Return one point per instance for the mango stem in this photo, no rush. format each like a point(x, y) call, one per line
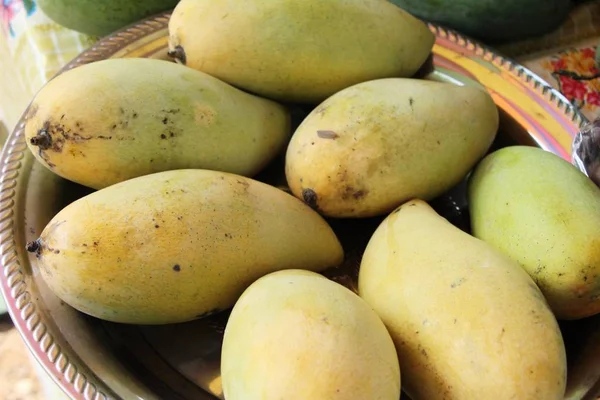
point(43, 140)
point(178, 53)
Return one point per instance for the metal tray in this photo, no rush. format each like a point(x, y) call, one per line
point(92, 359)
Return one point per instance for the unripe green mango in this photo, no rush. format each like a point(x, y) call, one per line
point(545, 214)
point(113, 120)
point(176, 245)
point(101, 17)
point(298, 51)
point(371, 147)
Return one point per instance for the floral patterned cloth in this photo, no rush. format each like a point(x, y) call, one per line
point(577, 74)
point(32, 49)
point(10, 8)
point(568, 58)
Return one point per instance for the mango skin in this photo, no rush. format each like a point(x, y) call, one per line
point(117, 119)
point(543, 213)
point(375, 145)
point(298, 51)
point(177, 245)
point(296, 335)
point(468, 323)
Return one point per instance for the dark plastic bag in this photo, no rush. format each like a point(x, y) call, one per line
point(586, 150)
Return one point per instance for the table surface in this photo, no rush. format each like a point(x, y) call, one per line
point(18, 378)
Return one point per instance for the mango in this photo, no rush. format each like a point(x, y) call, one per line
point(117, 119)
point(298, 51)
point(100, 18)
point(296, 335)
point(544, 213)
point(375, 145)
point(177, 245)
point(468, 323)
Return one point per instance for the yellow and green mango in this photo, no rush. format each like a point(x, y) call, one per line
point(116, 119)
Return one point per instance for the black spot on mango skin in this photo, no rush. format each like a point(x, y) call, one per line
point(34, 247)
point(359, 194)
point(52, 136)
point(176, 268)
point(310, 197)
point(327, 135)
point(457, 283)
point(244, 183)
point(321, 110)
point(350, 191)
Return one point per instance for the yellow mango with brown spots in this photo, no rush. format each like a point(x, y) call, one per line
point(371, 147)
point(177, 245)
point(117, 119)
point(467, 321)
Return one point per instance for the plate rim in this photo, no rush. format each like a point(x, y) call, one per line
point(32, 325)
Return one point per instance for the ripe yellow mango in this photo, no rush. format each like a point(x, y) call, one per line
point(468, 322)
point(117, 119)
point(176, 245)
point(298, 51)
point(296, 335)
point(373, 146)
point(543, 213)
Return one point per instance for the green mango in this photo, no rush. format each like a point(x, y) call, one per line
point(545, 214)
point(492, 20)
point(101, 17)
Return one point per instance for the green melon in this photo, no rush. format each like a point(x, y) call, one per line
point(101, 17)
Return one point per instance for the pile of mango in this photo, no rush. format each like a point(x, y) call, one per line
point(180, 227)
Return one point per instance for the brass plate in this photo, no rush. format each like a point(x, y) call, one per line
point(92, 359)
